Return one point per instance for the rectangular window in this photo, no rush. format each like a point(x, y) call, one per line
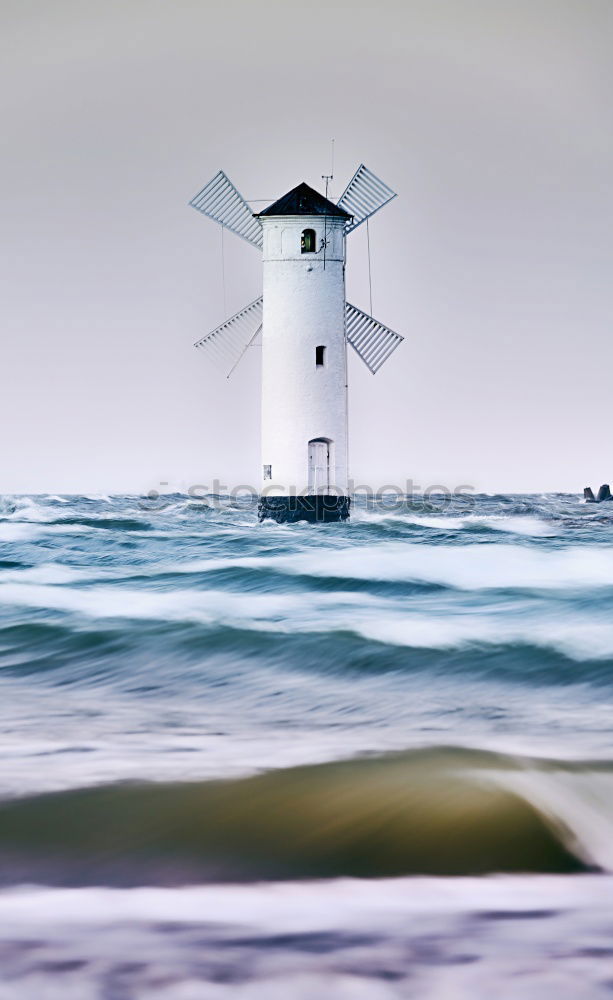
point(320, 355)
point(268, 472)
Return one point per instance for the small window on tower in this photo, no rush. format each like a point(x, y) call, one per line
point(320, 357)
point(307, 241)
point(268, 472)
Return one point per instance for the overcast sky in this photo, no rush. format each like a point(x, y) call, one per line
point(492, 119)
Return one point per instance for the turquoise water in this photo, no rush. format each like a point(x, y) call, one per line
point(357, 731)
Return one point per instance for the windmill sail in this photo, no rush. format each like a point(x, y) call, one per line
point(373, 341)
point(364, 195)
point(226, 344)
point(222, 202)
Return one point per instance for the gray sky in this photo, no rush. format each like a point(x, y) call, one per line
point(493, 122)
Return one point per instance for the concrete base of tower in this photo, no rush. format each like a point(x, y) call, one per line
point(317, 509)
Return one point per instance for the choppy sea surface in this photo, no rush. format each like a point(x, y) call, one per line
point(370, 760)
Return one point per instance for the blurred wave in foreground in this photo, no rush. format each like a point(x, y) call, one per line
point(360, 760)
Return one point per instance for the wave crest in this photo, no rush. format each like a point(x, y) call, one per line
point(441, 811)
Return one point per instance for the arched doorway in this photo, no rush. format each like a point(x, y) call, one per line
point(319, 465)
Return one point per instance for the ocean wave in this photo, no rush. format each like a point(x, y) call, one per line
point(104, 522)
point(374, 618)
point(465, 567)
point(529, 525)
point(35, 530)
point(587, 640)
point(442, 811)
point(192, 659)
point(533, 527)
point(177, 605)
point(43, 511)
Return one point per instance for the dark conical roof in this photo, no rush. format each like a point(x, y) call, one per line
point(303, 200)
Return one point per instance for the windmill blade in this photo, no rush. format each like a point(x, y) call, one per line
point(373, 341)
point(220, 201)
point(226, 344)
point(364, 195)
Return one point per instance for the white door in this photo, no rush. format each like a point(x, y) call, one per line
point(319, 466)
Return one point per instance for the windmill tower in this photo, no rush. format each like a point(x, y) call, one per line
point(305, 324)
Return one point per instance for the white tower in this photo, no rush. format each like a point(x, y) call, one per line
point(305, 324)
point(304, 356)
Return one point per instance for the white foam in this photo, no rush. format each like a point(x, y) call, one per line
point(519, 524)
point(468, 567)
point(279, 611)
point(465, 567)
point(31, 522)
point(27, 509)
point(10, 532)
point(301, 906)
point(422, 928)
point(48, 573)
point(579, 640)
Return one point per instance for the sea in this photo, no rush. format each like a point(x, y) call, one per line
point(357, 761)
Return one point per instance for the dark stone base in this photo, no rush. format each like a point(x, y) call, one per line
point(315, 509)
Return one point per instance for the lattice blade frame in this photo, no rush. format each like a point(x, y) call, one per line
point(371, 340)
point(226, 344)
point(221, 201)
point(364, 195)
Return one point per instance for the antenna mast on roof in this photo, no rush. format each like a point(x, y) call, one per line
point(327, 178)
